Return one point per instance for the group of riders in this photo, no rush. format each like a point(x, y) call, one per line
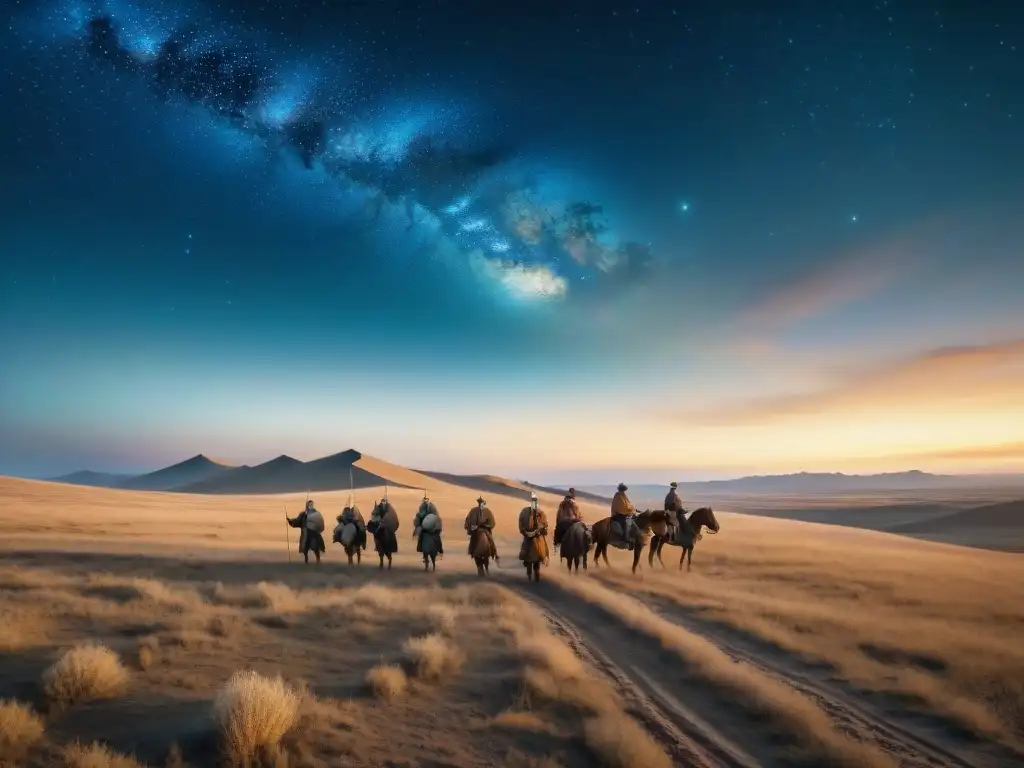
point(351, 530)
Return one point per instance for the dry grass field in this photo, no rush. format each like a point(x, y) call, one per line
point(171, 630)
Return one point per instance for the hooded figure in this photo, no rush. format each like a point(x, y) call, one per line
point(351, 516)
point(427, 523)
point(622, 513)
point(311, 526)
point(480, 517)
point(568, 513)
point(533, 526)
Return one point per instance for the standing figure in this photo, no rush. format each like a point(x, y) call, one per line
point(311, 526)
point(622, 515)
point(533, 525)
point(427, 532)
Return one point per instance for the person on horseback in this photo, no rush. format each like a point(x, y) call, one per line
point(674, 506)
point(427, 523)
point(622, 513)
point(385, 516)
point(568, 513)
point(351, 515)
point(311, 525)
point(481, 518)
point(533, 526)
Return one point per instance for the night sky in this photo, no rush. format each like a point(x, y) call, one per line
point(705, 237)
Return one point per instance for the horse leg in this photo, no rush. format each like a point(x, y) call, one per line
point(433, 562)
point(536, 571)
point(689, 558)
point(479, 567)
point(389, 561)
point(585, 556)
point(653, 551)
point(426, 565)
point(682, 557)
point(661, 546)
point(381, 566)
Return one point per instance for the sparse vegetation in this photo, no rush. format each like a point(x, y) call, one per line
point(96, 756)
point(20, 729)
point(85, 673)
point(254, 712)
point(618, 742)
point(387, 681)
point(937, 629)
point(432, 656)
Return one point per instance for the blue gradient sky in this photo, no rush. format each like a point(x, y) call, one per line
point(832, 199)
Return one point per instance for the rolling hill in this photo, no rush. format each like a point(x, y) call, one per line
point(195, 470)
point(92, 479)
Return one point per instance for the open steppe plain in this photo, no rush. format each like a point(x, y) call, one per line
point(163, 629)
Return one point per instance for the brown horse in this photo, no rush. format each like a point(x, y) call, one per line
point(480, 551)
point(602, 534)
point(699, 518)
point(575, 546)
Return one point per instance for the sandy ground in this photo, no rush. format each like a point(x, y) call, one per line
point(789, 643)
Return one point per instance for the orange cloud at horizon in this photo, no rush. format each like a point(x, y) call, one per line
point(957, 407)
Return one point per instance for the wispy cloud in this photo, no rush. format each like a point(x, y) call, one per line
point(972, 377)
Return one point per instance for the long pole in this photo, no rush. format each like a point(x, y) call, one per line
point(287, 537)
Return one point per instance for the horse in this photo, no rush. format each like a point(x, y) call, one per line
point(354, 547)
point(429, 546)
point(602, 535)
point(480, 551)
point(699, 518)
point(383, 541)
point(575, 546)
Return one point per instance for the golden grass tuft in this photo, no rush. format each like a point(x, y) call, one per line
point(85, 673)
point(96, 756)
point(432, 656)
point(254, 712)
point(20, 729)
point(387, 681)
point(618, 742)
point(518, 720)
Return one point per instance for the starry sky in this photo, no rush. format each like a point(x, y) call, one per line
point(559, 240)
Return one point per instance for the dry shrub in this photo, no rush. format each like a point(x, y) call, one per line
point(20, 729)
point(84, 673)
point(387, 681)
point(442, 618)
point(96, 756)
point(432, 656)
point(160, 592)
point(254, 712)
point(618, 742)
point(518, 720)
point(149, 650)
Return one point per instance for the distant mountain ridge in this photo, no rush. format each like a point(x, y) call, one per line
point(285, 474)
point(820, 482)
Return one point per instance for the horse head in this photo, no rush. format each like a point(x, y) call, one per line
point(643, 519)
point(704, 517)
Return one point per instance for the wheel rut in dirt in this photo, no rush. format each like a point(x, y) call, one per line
point(634, 664)
point(907, 743)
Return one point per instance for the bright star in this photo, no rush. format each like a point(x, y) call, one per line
point(684, 207)
point(853, 218)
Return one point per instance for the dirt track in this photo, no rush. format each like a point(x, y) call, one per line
point(694, 722)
